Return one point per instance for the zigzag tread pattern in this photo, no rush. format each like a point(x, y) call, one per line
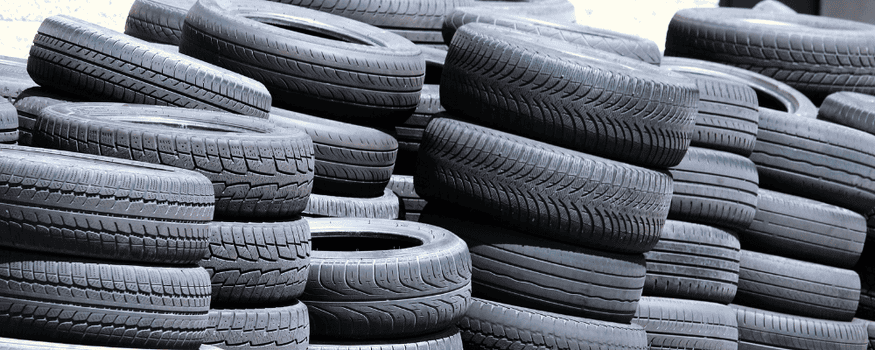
point(386, 206)
point(284, 327)
point(157, 21)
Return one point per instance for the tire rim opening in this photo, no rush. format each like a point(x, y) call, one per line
point(361, 241)
point(768, 100)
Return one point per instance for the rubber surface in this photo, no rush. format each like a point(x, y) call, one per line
point(850, 109)
point(20, 344)
point(100, 207)
point(693, 261)
point(557, 11)
point(865, 268)
point(761, 329)
point(158, 21)
point(714, 188)
point(8, 123)
point(797, 287)
point(257, 263)
point(805, 229)
point(29, 103)
point(386, 206)
point(687, 324)
point(388, 14)
point(493, 325)
point(377, 279)
point(285, 327)
point(411, 203)
point(544, 190)
point(519, 269)
point(13, 77)
point(52, 298)
point(409, 132)
point(773, 6)
point(583, 99)
point(359, 73)
point(728, 116)
point(351, 160)
point(78, 57)
point(448, 339)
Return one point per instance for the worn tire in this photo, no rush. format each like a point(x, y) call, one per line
point(556, 11)
point(542, 189)
point(762, 330)
point(351, 160)
point(363, 75)
point(805, 229)
point(693, 261)
point(29, 103)
point(20, 344)
point(728, 115)
point(411, 203)
point(285, 327)
point(714, 188)
point(75, 56)
point(257, 263)
point(158, 21)
point(409, 133)
point(816, 55)
point(386, 206)
point(372, 279)
point(53, 298)
point(850, 109)
point(448, 339)
point(516, 268)
point(797, 287)
point(257, 168)
point(534, 87)
point(8, 123)
point(492, 325)
point(14, 78)
point(602, 39)
point(687, 324)
point(103, 208)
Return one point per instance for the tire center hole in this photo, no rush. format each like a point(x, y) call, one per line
point(767, 100)
point(361, 241)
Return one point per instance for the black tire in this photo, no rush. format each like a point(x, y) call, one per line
point(257, 168)
point(52, 298)
point(816, 55)
point(411, 203)
point(542, 189)
point(434, 65)
point(728, 116)
point(805, 229)
point(351, 160)
point(556, 11)
point(13, 77)
point(693, 261)
point(870, 329)
point(409, 133)
point(534, 87)
point(816, 159)
point(762, 330)
point(158, 21)
point(361, 74)
point(714, 188)
point(493, 325)
point(386, 206)
point(8, 123)
point(606, 40)
point(378, 279)
point(865, 268)
point(773, 6)
point(519, 269)
point(102, 208)
point(257, 263)
point(850, 109)
point(284, 327)
point(20, 344)
point(77, 57)
point(797, 287)
point(770, 92)
point(29, 103)
point(687, 324)
point(448, 339)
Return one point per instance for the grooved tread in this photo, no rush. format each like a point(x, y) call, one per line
point(15, 79)
point(687, 324)
point(773, 330)
point(851, 109)
point(158, 21)
point(279, 327)
point(728, 116)
point(394, 14)
point(29, 104)
point(386, 206)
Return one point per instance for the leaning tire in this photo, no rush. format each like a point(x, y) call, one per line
point(257, 168)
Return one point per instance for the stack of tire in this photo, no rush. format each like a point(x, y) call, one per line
point(515, 167)
point(809, 227)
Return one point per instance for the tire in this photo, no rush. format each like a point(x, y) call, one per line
point(728, 116)
point(53, 298)
point(20, 344)
point(816, 159)
point(385, 279)
point(807, 230)
point(448, 339)
point(531, 86)
point(13, 77)
point(411, 203)
point(556, 11)
point(77, 57)
point(145, 213)
point(409, 133)
point(351, 160)
point(386, 206)
point(363, 74)
point(797, 287)
point(506, 177)
point(279, 327)
point(516, 268)
point(258, 170)
point(870, 329)
point(865, 268)
point(687, 324)
point(606, 40)
point(8, 123)
point(158, 21)
point(771, 93)
point(493, 325)
point(773, 6)
point(850, 109)
point(761, 329)
point(714, 188)
point(28, 105)
point(693, 261)
point(816, 55)
point(257, 263)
